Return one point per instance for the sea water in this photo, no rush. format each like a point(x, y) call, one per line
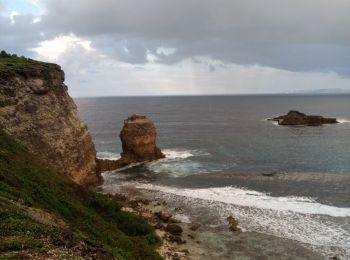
point(219, 150)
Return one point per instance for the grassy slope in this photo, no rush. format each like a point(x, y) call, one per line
point(8, 62)
point(92, 217)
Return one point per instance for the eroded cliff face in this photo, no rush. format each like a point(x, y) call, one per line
point(35, 109)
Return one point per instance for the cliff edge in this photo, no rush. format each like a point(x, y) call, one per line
point(36, 110)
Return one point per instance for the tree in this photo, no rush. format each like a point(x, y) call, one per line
point(4, 54)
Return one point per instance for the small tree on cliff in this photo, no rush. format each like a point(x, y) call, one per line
point(4, 54)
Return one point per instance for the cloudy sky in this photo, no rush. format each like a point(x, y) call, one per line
point(179, 47)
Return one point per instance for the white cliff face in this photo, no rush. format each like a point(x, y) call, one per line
point(35, 109)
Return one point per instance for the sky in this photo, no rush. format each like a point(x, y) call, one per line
point(184, 47)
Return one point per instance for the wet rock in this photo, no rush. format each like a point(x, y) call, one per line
point(105, 165)
point(233, 224)
point(194, 226)
point(143, 201)
point(297, 118)
point(269, 174)
point(191, 236)
point(120, 197)
point(174, 220)
point(175, 239)
point(185, 251)
point(133, 204)
point(164, 216)
point(159, 225)
point(178, 209)
point(174, 229)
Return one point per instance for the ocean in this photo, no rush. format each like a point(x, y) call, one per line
point(219, 150)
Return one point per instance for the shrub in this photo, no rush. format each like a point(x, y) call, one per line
point(92, 217)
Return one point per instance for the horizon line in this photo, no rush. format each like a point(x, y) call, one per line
point(216, 95)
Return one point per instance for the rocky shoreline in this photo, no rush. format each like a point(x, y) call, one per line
point(173, 232)
point(186, 238)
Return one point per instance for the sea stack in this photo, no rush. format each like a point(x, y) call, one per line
point(297, 118)
point(138, 137)
point(36, 110)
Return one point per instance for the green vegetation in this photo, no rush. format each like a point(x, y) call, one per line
point(91, 217)
point(12, 61)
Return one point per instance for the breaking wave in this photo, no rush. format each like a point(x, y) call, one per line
point(180, 163)
point(343, 120)
point(321, 227)
point(108, 155)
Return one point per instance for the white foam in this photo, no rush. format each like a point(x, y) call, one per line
point(343, 120)
point(108, 155)
point(177, 154)
point(182, 154)
point(179, 162)
point(177, 169)
point(320, 227)
point(182, 218)
point(250, 198)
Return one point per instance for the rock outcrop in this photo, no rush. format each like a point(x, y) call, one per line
point(36, 110)
point(233, 224)
point(297, 118)
point(138, 138)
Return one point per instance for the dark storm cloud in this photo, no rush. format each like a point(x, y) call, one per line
point(298, 35)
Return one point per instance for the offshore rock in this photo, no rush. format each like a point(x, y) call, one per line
point(297, 118)
point(36, 110)
point(138, 137)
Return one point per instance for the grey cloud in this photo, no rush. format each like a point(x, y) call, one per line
point(293, 35)
point(21, 35)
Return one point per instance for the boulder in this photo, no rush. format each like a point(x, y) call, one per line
point(176, 239)
point(174, 229)
point(164, 216)
point(297, 118)
point(233, 224)
point(194, 226)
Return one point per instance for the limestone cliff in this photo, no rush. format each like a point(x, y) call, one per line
point(35, 109)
